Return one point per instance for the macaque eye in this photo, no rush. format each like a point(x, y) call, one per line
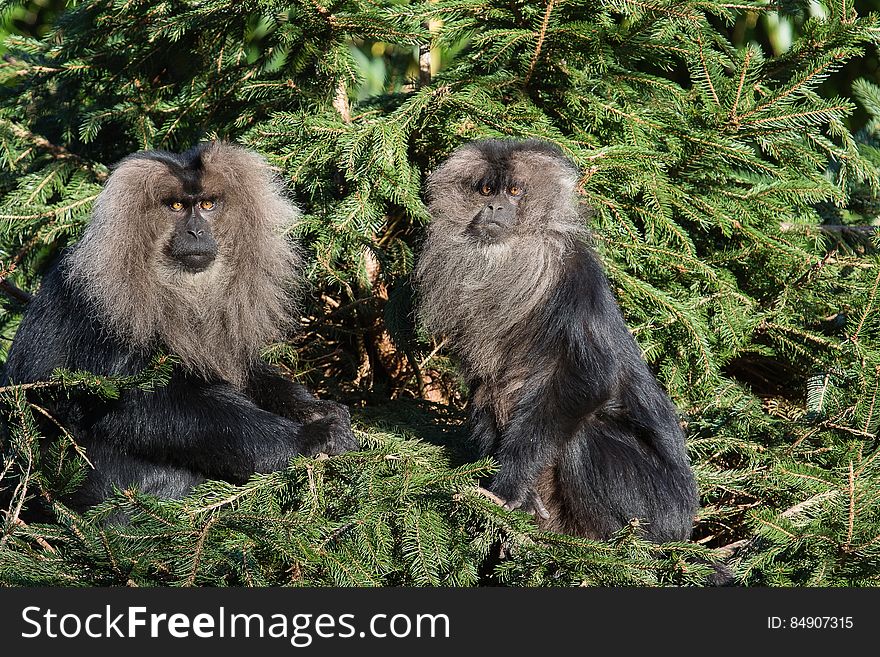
point(176, 206)
point(486, 189)
point(514, 190)
point(207, 204)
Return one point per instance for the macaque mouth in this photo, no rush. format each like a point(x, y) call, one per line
point(195, 262)
point(490, 230)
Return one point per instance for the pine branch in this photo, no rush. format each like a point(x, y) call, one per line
point(541, 36)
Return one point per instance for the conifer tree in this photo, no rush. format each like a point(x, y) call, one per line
point(732, 205)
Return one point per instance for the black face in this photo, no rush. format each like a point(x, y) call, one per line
point(190, 206)
point(498, 215)
point(502, 192)
point(192, 243)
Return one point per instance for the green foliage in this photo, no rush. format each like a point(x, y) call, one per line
point(393, 515)
point(732, 205)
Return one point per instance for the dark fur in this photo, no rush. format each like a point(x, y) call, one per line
point(560, 394)
point(219, 417)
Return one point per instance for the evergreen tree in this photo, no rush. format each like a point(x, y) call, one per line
point(730, 200)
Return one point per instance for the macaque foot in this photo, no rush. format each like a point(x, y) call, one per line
point(331, 434)
point(530, 503)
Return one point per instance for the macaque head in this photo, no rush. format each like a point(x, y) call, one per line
point(495, 190)
point(190, 251)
